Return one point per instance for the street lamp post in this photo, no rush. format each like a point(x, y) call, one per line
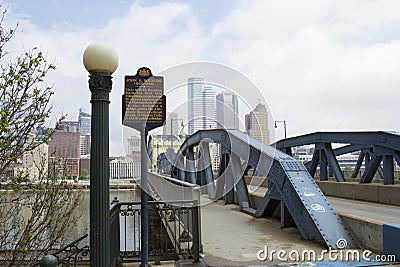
point(284, 126)
point(100, 61)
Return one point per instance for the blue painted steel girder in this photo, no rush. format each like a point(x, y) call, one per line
point(288, 178)
point(375, 145)
point(387, 139)
point(206, 166)
point(190, 166)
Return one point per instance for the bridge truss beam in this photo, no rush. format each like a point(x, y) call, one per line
point(376, 149)
point(290, 186)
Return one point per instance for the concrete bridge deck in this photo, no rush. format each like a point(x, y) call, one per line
point(233, 238)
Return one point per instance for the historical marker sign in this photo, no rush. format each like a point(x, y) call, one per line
point(144, 108)
point(144, 100)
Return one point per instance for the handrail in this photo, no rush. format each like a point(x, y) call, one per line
point(72, 250)
point(70, 244)
point(169, 189)
point(179, 182)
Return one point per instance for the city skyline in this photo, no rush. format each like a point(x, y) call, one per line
point(257, 124)
point(321, 65)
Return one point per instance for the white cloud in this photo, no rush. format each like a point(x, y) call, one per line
point(322, 65)
point(158, 37)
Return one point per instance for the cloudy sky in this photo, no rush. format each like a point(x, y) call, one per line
point(320, 65)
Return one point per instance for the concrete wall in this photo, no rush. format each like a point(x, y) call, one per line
point(374, 192)
point(379, 193)
point(368, 234)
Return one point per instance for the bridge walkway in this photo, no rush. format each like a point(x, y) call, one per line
point(233, 238)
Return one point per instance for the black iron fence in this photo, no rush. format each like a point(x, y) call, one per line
point(174, 231)
point(69, 255)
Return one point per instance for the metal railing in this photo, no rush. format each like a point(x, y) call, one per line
point(115, 238)
point(169, 189)
point(174, 231)
point(174, 226)
point(69, 255)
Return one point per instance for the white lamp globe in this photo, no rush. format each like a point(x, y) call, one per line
point(100, 57)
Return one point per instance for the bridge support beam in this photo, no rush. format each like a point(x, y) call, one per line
point(220, 182)
point(333, 164)
point(313, 164)
point(388, 170)
point(229, 184)
point(367, 159)
point(201, 177)
point(323, 166)
point(396, 156)
point(269, 203)
point(190, 166)
point(181, 169)
point(207, 167)
point(286, 218)
point(239, 182)
point(371, 169)
point(358, 165)
point(380, 171)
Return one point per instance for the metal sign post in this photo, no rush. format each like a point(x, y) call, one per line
point(144, 109)
point(144, 198)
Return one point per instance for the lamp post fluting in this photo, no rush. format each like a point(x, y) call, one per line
point(100, 61)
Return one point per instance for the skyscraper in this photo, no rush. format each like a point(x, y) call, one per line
point(257, 124)
point(195, 104)
point(201, 105)
point(84, 121)
point(227, 111)
point(209, 121)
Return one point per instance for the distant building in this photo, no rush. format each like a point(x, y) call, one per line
point(34, 163)
point(65, 144)
point(162, 144)
point(134, 148)
point(68, 126)
point(84, 122)
point(305, 154)
point(209, 108)
point(201, 105)
point(227, 111)
point(124, 169)
point(85, 144)
point(257, 125)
